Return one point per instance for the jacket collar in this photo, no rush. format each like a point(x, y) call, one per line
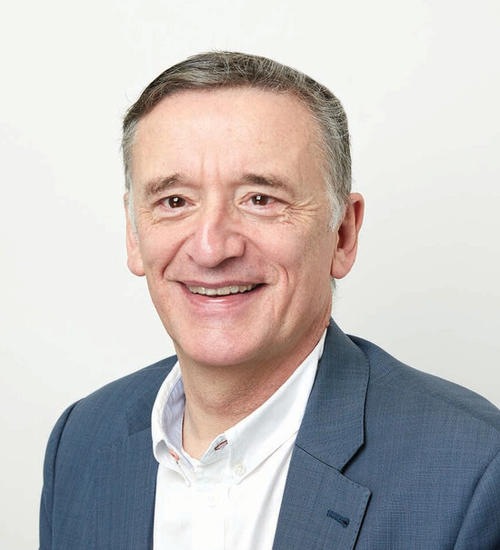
point(125, 478)
point(139, 412)
point(332, 429)
point(322, 508)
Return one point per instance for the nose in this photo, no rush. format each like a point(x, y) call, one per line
point(216, 237)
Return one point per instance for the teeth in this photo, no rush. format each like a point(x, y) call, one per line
point(222, 291)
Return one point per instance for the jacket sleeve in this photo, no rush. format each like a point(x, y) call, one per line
point(480, 529)
point(49, 474)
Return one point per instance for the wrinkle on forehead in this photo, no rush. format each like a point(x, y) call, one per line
point(237, 128)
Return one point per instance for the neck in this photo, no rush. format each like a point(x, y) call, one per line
point(218, 397)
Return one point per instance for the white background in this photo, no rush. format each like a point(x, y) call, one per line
point(420, 83)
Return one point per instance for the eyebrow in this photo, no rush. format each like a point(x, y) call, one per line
point(267, 180)
point(157, 185)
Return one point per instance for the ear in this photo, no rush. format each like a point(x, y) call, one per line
point(347, 237)
point(134, 258)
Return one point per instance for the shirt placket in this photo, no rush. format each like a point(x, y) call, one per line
point(210, 499)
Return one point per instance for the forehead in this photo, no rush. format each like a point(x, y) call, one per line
point(230, 128)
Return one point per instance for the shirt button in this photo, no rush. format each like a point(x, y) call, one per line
point(239, 469)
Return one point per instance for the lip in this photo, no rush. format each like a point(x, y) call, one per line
point(212, 305)
point(219, 284)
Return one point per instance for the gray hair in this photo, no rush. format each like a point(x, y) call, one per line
point(212, 70)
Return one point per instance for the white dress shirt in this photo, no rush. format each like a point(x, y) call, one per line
point(230, 498)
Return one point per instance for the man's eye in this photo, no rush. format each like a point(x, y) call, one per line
point(261, 200)
point(175, 202)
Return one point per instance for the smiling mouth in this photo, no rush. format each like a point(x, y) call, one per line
point(221, 291)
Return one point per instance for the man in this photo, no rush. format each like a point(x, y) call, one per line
point(271, 428)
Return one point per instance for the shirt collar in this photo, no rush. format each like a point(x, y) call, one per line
point(249, 442)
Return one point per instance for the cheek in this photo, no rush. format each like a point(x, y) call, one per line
point(302, 255)
point(157, 250)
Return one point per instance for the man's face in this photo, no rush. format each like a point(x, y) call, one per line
point(232, 223)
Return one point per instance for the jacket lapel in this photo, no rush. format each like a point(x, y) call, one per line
point(126, 485)
point(321, 508)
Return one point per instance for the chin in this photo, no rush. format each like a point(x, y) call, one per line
point(214, 341)
point(220, 353)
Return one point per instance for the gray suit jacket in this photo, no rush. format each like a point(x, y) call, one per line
point(386, 458)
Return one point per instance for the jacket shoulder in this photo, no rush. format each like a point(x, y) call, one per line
point(128, 388)
point(431, 451)
point(118, 408)
point(96, 422)
point(408, 386)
